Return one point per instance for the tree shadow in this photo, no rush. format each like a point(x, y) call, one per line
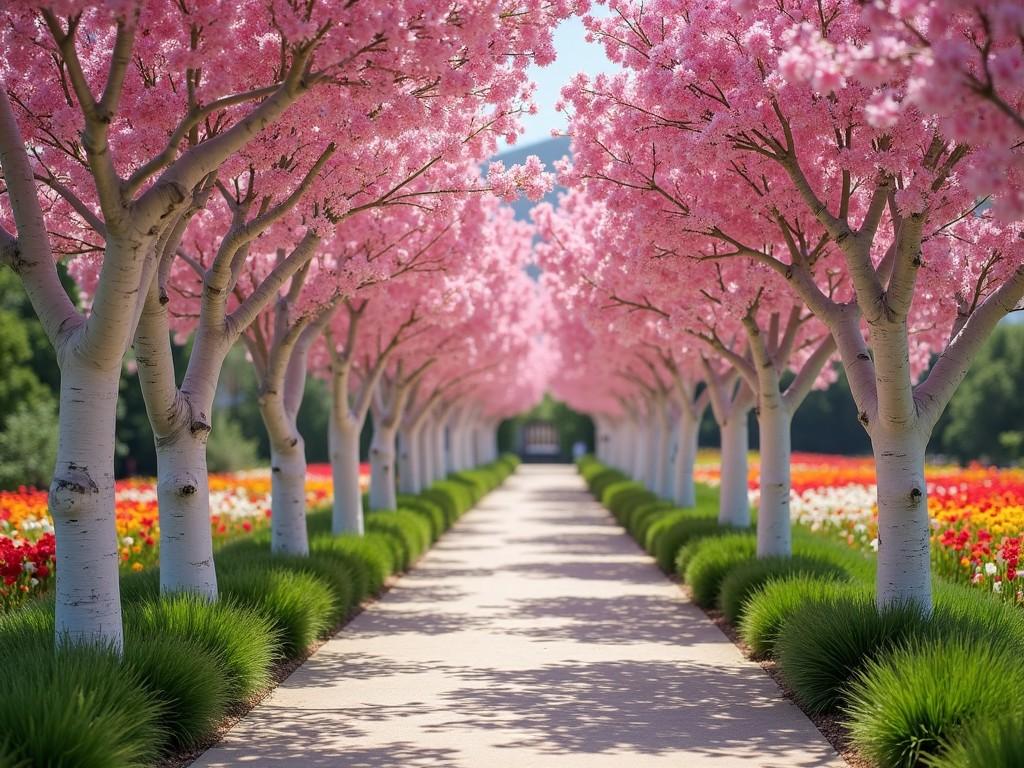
point(637, 707)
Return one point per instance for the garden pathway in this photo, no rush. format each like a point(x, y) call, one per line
point(534, 635)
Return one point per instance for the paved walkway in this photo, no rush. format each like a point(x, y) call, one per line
point(534, 635)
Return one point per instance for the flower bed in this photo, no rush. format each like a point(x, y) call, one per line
point(239, 505)
point(977, 512)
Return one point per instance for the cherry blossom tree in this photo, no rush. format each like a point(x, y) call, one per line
point(111, 118)
point(121, 174)
point(723, 149)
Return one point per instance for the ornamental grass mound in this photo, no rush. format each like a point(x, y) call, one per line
point(243, 640)
point(770, 606)
point(907, 702)
point(79, 708)
point(987, 743)
point(712, 559)
point(824, 643)
point(190, 684)
point(299, 606)
point(746, 577)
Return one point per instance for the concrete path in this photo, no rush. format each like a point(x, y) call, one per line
point(534, 635)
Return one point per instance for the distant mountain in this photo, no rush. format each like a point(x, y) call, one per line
point(548, 151)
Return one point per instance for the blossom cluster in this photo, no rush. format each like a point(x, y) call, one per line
point(239, 505)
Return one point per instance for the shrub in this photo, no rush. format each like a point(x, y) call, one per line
point(643, 516)
point(905, 702)
point(770, 606)
point(461, 495)
point(335, 573)
point(189, 682)
point(408, 533)
point(988, 743)
point(603, 479)
point(747, 577)
point(370, 555)
point(80, 708)
point(825, 642)
point(298, 605)
point(28, 444)
point(446, 500)
point(244, 641)
point(672, 532)
point(426, 509)
point(712, 560)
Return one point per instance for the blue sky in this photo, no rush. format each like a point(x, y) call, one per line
point(575, 54)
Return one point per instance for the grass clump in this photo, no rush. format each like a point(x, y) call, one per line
point(744, 579)
point(370, 555)
point(987, 743)
point(242, 640)
point(904, 703)
point(644, 516)
point(299, 605)
point(426, 509)
point(669, 534)
point(824, 643)
point(79, 708)
point(408, 534)
point(189, 682)
point(712, 559)
point(770, 605)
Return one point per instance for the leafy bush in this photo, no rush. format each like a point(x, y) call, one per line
point(228, 449)
point(770, 606)
point(747, 577)
point(244, 641)
point(905, 702)
point(28, 444)
point(299, 606)
point(80, 708)
point(825, 642)
point(712, 560)
point(189, 682)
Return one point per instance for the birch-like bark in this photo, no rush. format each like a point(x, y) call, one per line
point(389, 403)
point(685, 459)
point(731, 401)
point(343, 445)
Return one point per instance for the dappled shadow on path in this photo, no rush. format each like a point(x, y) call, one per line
point(617, 620)
point(637, 707)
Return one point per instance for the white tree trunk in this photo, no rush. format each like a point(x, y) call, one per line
point(382, 467)
point(734, 502)
point(652, 466)
point(638, 454)
point(428, 452)
point(904, 534)
point(409, 459)
point(441, 454)
point(773, 523)
point(88, 603)
point(687, 431)
point(289, 535)
point(183, 492)
point(663, 468)
point(347, 509)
